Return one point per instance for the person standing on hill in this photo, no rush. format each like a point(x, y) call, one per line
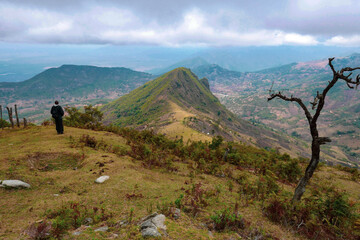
point(57, 113)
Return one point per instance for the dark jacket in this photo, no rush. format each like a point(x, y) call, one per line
point(57, 111)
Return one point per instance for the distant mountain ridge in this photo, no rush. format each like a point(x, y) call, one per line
point(70, 81)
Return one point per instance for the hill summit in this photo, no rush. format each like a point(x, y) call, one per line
point(178, 103)
point(145, 104)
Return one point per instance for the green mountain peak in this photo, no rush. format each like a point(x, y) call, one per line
point(152, 100)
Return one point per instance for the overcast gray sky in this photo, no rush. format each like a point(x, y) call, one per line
point(182, 23)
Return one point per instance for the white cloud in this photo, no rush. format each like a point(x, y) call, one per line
point(349, 41)
point(116, 25)
point(294, 38)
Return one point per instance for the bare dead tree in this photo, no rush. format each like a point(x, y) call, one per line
point(10, 116)
point(17, 116)
point(317, 105)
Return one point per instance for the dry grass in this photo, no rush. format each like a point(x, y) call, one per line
point(176, 128)
point(55, 188)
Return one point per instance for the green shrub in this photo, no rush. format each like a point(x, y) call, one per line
point(289, 170)
point(120, 150)
point(226, 219)
point(216, 142)
point(4, 123)
point(195, 199)
point(327, 215)
point(336, 210)
point(88, 141)
point(90, 118)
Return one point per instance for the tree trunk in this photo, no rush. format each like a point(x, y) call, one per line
point(315, 157)
point(17, 116)
point(10, 116)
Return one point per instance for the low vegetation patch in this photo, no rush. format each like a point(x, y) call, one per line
point(54, 161)
point(326, 214)
point(71, 216)
point(4, 123)
point(354, 172)
point(227, 219)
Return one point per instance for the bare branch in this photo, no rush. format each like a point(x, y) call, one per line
point(314, 103)
point(336, 77)
point(323, 140)
point(331, 66)
point(351, 87)
point(322, 96)
point(348, 69)
point(349, 81)
point(292, 99)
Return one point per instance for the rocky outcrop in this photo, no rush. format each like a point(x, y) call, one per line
point(152, 225)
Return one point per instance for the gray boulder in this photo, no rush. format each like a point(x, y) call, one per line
point(14, 184)
point(151, 225)
point(147, 224)
point(159, 221)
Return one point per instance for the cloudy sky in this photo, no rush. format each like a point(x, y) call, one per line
point(182, 23)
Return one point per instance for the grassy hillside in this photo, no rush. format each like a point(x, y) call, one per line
point(62, 168)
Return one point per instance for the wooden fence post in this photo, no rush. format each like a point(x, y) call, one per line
point(2, 124)
point(25, 123)
point(10, 116)
point(17, 116)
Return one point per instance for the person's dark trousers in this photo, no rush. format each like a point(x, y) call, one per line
point(59, 125)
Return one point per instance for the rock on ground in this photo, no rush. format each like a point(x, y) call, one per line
point(14, 184)
point(151, 224)
point(158, 221)
point(150, 232)
point(102, 179)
